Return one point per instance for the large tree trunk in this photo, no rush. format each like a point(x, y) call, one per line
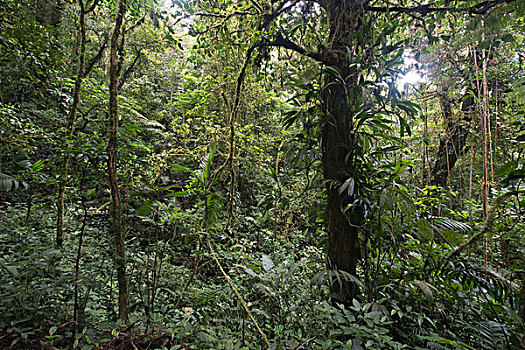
point(338, 144)
point(452, 145)
point(117, 225)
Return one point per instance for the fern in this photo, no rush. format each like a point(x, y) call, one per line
point(449, 224)
point(9, 183)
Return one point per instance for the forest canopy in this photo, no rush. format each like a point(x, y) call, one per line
point(262, 174)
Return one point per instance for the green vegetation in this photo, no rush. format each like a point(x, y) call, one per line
point(227, 174)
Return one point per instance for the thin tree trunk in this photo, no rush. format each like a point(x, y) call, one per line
point(521, 310)
point(117, 226)
point(78, 310)
point(72, 118)
point(448, 176)
point(470, 182)
point(496, 115)
point(482, 99)
point(488, 119)
point(424, 153)
point(483, 135)
point(427, 155)
point(486, 141)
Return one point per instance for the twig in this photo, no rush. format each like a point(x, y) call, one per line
point(239, 297)
point(306, 342)
point(197, 268)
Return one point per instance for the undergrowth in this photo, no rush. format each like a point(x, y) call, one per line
point(180, 299)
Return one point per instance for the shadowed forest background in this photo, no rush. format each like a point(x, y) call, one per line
point(262, 174)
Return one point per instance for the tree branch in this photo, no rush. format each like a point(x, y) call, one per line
point(256, 5)
point(483, 7)
point(92, 7)
point(128, 71)
point(279, 41)
point(268, 18)
point(97, 57)
point(136, 24)
point(422, 10)
point(478, 9)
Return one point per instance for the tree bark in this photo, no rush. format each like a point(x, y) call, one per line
point(117, 226)
point(452, 145)
point(521, 310)
point(338, 145)
point(72, 118)
point(49, 12)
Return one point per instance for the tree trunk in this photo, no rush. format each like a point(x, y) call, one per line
point(452, 145)
point(522, 301)
point(117, 226)
point(49, 12)
point(72, 118)
point(337, 141)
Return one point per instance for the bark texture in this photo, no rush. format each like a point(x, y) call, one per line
point(522, 301)
point(338, 143)
point(117, 225)
point(72, 118)
point(452, 145)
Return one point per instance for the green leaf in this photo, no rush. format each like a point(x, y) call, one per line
point(409, 107)
point(349, 185)
point(425, 287)
point(267, 263)
point(209, 158)
point(178, 167)
point(39, 165)
point(506, 168)
point(387, 149)
point(177, 194)
point(11, 269)
point(485, 44)
point(424, 229)
point(145, 210)
point(404, 127)
point(508, 38)
point(402, 165)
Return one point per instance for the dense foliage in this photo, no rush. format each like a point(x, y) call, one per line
point(262, 174)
